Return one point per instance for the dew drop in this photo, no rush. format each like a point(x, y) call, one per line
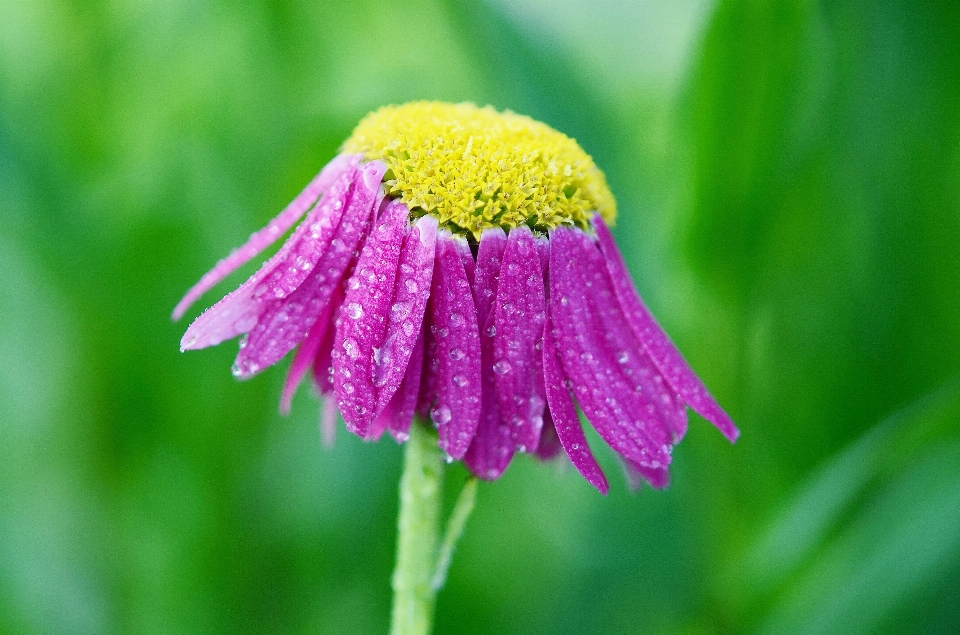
point(354, 310)
point(623, 357)
point(460, 380)
point(347, 388)
point(401, 310)
point(456, 354)
point(491, 331)
point(350, 348)
point(411, 286)
point(440, 415)
point(502, 367)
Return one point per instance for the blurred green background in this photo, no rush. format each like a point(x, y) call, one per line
point(788, 175)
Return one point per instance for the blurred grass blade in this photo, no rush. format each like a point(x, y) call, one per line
point(870, 528)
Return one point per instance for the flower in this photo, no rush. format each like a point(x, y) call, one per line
point(456, 262)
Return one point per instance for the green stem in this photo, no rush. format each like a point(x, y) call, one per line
point(420, 489)
point(455, 524)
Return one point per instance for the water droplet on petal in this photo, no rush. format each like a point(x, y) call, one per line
point(354, 310)
point(460, 380)
point(350, 348)
point(623, 357)
point(502, 367)
point(411, 286)
point(456, 354)
point(347, 388)
point(440, 415)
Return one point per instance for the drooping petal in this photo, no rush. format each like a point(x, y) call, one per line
point(397, 415)
point(456, 410)
point(666, 416)
point(285, 322)
point(543, 250)
point(238, 312)
point(409, 302)
point(363, 319)
point(492, 447)
point(304, 357)
point(658, 477)
point(269, 234)
point(610, 402)
point(564, 416)
point(657, 343)
point(466, 256)
point(493, 242)
point(428, 379)
point(549, 445)
point(520, 313)
point(322, 369)
point(328, 420)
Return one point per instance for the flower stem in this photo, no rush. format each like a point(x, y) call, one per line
point(420, 490)
point(455, 524)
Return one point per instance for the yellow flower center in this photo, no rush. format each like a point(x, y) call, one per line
point(475, 168)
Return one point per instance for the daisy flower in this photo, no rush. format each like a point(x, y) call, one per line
point(456, 263)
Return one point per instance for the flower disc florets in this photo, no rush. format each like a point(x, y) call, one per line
point(476, 168)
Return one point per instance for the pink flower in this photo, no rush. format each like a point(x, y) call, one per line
point(403, 299)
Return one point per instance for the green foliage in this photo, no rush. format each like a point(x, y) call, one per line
point(788, 179)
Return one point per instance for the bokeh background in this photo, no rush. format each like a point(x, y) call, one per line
point(788, 175)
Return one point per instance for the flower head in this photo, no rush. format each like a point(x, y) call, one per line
point(456, 262)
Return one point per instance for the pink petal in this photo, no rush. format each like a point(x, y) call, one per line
point(666, 420)
point(658, 477)
point(266, 236)
point(457, 338)
point(397, 415)
point(409, 302)
point(302, 360)
point(285, 322)
point(238, 312)
point(328, 420)
point(323, 362)
point(564, 417)
point(431, 364)
point(467, 257)
point(609, 401)
point(363, 320)
point(519, 317)
point(549, 445)
point(492, 447)
point(657, 343)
